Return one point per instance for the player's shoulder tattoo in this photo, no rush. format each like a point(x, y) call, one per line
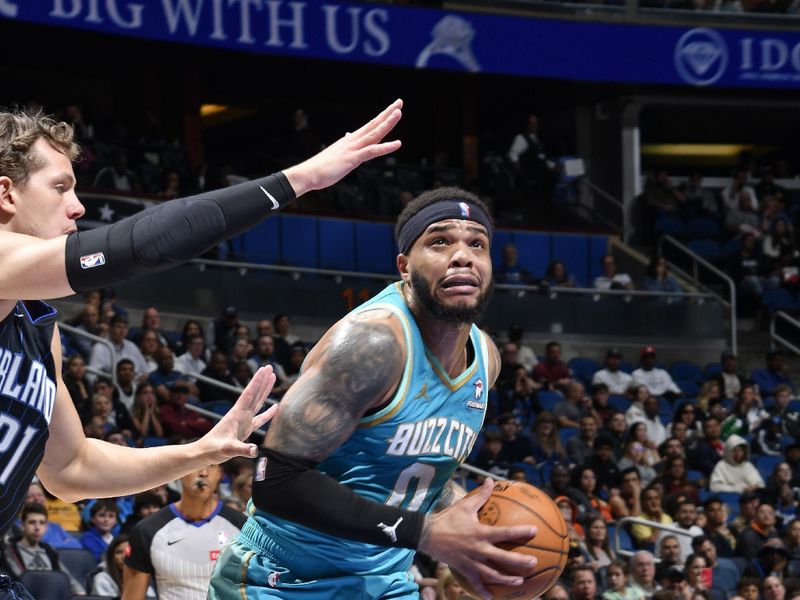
point(358, 365)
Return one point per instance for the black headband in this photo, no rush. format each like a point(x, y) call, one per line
point(440, 211)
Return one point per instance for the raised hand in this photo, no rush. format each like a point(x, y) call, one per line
point(456, 537)
point(340, 158)
point(226, 439)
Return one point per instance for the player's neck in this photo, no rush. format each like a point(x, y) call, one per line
point(196, 509)
point(447, 342)
point(6, 306)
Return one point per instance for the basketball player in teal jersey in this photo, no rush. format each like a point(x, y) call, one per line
point(355, 471)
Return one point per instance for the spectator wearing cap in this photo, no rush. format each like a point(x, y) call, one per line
point(618, 382)
point(729, 378)
point(735, 473)
point(101, 358)
point(525, 355)
point(179, 421)
point(774, 374)
point(716, 527)
point(658, 381)
point(224, 329)
point(761, 530)
point(771, 560)
point(165, 376)
point(707, 451)
point(724, 574)
point(552, 372)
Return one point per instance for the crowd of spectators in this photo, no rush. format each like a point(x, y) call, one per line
point(712, 453)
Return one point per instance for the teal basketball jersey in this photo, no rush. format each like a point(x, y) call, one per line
point(401, 455)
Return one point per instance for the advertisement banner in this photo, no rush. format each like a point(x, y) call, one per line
point(558, 48)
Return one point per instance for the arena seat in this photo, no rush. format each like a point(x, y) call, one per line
point(622, 403)
point(375, 248)
point(778, 299)
point(731, 247)
point(46, 585)
point(625, 541)
point(151, 442)
point(79, 562)
point(336, 237)
point(548, 400)
point(702, 227)
point(626, 367)
point(671, 225)
point(766, 464)
point(220, 407)
point(689, 388)
point(567, 433)
point(708, 249)
point(711, 370)
point(530, 473)
point(583, 368)
point(683, 369)
point(298, 241)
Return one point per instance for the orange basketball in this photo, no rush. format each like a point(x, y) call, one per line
point(517, 503)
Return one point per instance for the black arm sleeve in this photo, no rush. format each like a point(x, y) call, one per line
point(171, 233)
point(294, 489)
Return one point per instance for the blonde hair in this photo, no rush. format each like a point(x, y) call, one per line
point(19, 131)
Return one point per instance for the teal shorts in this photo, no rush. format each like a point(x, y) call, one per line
point(253, 567)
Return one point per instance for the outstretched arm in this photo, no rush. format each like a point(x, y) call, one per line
point(178, 230)
point(75, 467)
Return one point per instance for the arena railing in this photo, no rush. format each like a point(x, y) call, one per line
point(780, 337)
point(97, 340)
point(623, 522)
point(693, 274)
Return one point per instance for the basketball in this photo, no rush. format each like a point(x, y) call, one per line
point(517, 503)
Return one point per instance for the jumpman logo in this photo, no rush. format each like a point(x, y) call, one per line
point(423, 392)
point(390, 531)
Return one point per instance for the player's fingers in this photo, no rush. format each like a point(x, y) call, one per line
point(380, 130)
point(240, 449)
point(396, 105)
point(508, 561)
point(521, 533)
point(481, 495)
point(265, 417)
point(376, 150)
point(259, 388)
point(491, 575)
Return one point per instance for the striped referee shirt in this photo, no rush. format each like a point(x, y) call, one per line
point(180, 553)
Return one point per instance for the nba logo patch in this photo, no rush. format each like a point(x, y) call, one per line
point(213, 555)
point(261, 469)
point(464, 209)
point(478, 389)
point(93, 260)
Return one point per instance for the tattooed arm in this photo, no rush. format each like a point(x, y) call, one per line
point(451, 492)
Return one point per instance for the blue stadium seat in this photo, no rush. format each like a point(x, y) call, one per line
point(683, 369)
point(530, 472)
point(375, 248)
point(708, 249)
point(766, 464)
point(470, 484)
point(46, 585)
point(626, 367)
point(544, 472)
point(337, 237)
point(548, 400)
point(665, 407)
point(689, 388)
point(151, 442)
point(79, 562)
point(583, 368)
point(703, 227)
point(220, 407)
point(299, 241)
point(778, 299)
point(693, 475)
point(732, 247)
point(625, 541)
point(794, 405)
point(567, 433)
point(671, 225)
point(711, 370)
point(622, 403)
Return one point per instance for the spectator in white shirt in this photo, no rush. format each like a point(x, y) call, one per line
point(615, 380)
point(658, 381)
point(525, 356)
point(191, 361)
point(611, 279)
point(101, 355)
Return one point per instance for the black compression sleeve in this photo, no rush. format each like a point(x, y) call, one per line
point(170, 233)
point(293, 489)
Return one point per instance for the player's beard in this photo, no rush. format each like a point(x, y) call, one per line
point(454, 315)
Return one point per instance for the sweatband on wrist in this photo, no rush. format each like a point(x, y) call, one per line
point(440, 211)
point(293, 489)
point(171, 233)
